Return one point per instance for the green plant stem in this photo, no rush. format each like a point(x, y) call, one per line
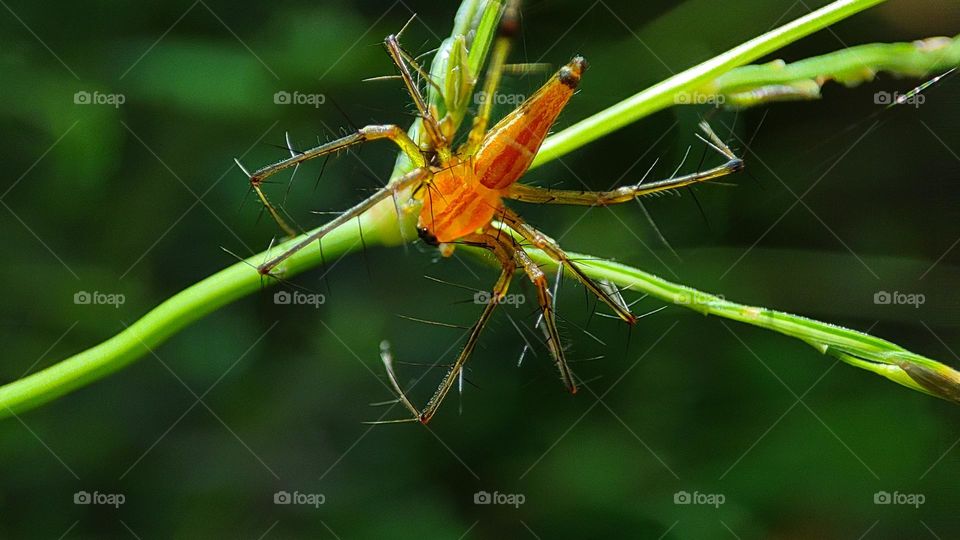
point(747, 86)
point(166, 319)
point(856, 348)
point(380, 227)
point(663, 94)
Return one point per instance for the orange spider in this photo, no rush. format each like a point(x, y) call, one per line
point(462, 193)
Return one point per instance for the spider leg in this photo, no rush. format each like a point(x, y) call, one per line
point(545, 299)
point(553, 250)
point(509, 25)
point(504, 254)
point(368, 133)
point(408, 180)
point(539, 195)
point(401, 58)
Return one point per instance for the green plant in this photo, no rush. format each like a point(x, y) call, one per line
point(722, 75)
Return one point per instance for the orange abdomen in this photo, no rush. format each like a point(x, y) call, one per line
point(510, 146)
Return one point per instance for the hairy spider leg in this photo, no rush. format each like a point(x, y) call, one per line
point(372, 132)
point(504, 254)
point(552, 249)
point(510, 255)
point(431, 124)
point(539, 195)
point(368, 133)
point(412, 179)
point(545, 299)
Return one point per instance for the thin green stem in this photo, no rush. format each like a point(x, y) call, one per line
point(663, 94)
point(748, 86)
point(856, 348)
point(168, 318)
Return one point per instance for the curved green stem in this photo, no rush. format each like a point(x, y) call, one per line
point(168, 318)
point(380, 227)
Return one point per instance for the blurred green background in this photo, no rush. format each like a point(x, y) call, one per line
point(103, 198)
